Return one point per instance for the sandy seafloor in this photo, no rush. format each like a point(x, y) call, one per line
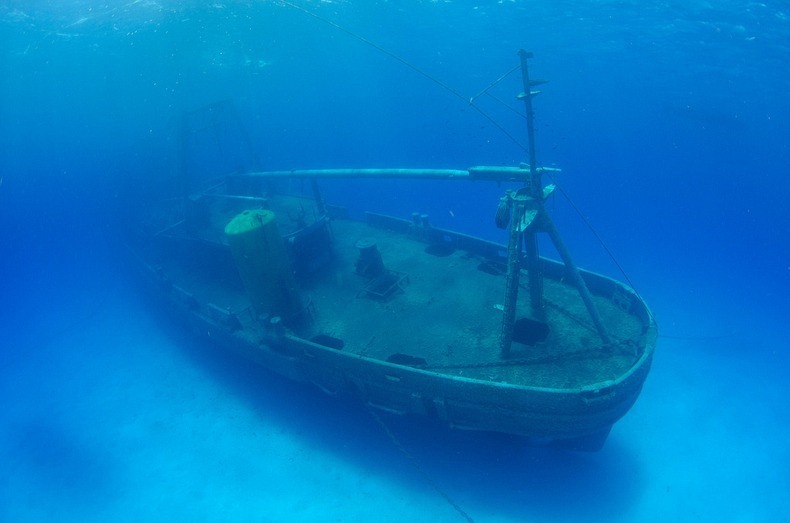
point(113, 414)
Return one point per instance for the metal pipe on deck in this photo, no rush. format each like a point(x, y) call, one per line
point(427, 174)
point(482, 172)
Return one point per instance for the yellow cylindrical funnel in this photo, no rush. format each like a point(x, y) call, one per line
point(263, 264)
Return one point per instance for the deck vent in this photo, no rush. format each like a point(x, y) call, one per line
point(529, 331)
point(369, 263)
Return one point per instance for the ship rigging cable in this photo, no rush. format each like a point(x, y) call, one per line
point(470, 101)
point(395, 441)
point(413, 67)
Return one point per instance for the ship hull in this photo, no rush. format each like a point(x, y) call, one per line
point(577, 417)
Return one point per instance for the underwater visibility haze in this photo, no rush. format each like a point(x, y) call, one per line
point(669, 120)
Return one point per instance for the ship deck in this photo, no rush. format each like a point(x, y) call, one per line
point(444, 315)
point(450, 315)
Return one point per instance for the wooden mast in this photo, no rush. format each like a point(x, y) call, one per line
point(529, 218)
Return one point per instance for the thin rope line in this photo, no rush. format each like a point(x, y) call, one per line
point(600, 240)
point(375, 46)
point(469, 101)
point(395, 441)
point(411, 66)
point(492, 84)
point(507, 106)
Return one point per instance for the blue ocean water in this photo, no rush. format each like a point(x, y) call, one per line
point(670, 120)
